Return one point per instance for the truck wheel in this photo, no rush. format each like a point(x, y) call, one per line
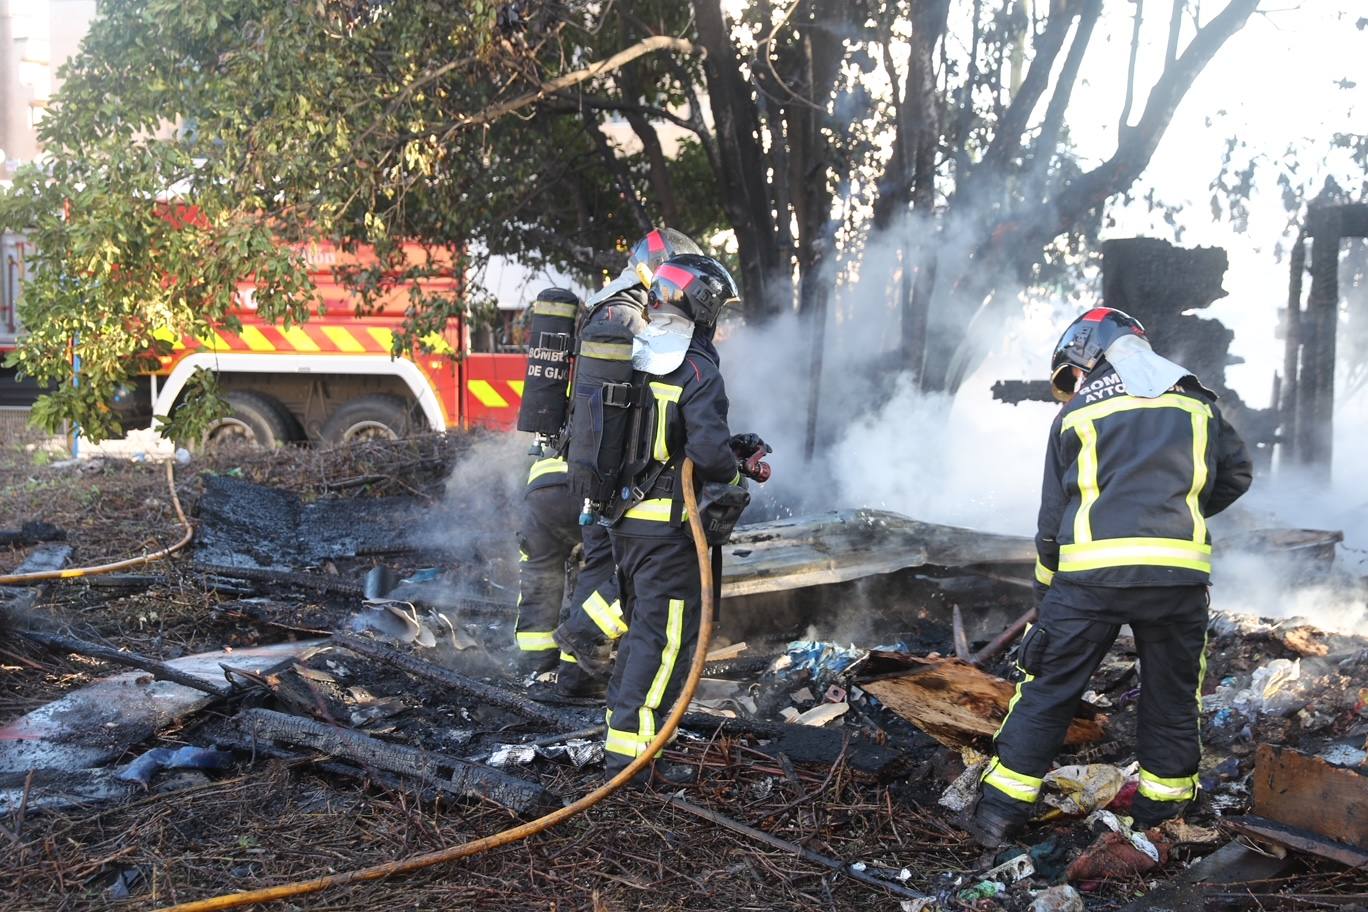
point(375, 417)
point(255, 420)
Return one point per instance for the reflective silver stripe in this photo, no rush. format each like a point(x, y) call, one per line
point(555, 308)
point(1132, 552)
point(606, 351)
point(657, 510)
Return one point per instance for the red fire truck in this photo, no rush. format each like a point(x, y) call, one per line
point(331, 379)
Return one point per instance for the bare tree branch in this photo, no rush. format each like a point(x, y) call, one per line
point(1124, 121)
point(561, 83)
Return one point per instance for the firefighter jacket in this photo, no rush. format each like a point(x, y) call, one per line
point(688, 417)
point(1130, 482)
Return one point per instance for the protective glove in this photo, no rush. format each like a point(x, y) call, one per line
point(747, 445)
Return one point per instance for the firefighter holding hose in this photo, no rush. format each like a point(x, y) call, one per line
point(643, 404)
point(1139, 458)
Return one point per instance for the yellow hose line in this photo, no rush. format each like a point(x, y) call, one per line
point(533, 827)
point(23, 579)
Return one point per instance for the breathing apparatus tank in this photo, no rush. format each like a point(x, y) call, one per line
point(546, 385)
point(605, 393)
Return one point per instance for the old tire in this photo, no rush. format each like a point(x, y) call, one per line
point(254, 420)
point(375, 417)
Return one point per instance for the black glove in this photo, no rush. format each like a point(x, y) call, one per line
point(747, 445)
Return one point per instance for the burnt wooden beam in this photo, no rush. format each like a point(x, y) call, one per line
point(159, 670)
point(470, 687)
point(449, 774)
point(1298, 839)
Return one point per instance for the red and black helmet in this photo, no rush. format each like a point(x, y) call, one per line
point(655, 248)
point(693, 285)
point(1085, 342)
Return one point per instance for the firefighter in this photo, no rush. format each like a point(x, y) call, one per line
point(1139, 458)
point(595, 619)
point(652, 544)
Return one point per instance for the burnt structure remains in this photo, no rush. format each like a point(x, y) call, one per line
point(1161, 285)
point(1306, 397)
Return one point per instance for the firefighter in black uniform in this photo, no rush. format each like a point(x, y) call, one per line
point(1139, 457)
point(595, 619)
point(548, 528)
point(652, 543)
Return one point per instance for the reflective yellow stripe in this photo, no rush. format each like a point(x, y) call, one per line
point(516, 386)
point(1199, 477)
point(299, 339)
point(674, 633)
point(522, 555)
point(487, 395)
point(554, 308)
point(1201, 676)
point(1011, 783)
point(1157, 788)
point(1087, 480)
point(215, 342)
point(536, 640)
point(1090, 413)
point(621, 742)
point(665, 395)
point(607, 617)
point(736, 479)
point(383, 336)
point(545, 467)
point(607, 351)
point(437, 344)
point(256, 340)
point(656, 510)
point(1135, 552)
point(1044, 575)
point(343, 339)
point(567, 657)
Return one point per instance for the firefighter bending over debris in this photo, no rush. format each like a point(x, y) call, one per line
point(641, 405)
point(1139, 457)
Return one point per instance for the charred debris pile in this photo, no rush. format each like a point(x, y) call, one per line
point(322, 682)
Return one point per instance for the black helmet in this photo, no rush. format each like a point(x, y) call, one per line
point(694, 285)
point(1085, 342)
point(655, 248)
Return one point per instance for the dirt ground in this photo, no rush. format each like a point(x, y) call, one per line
point(268, 822)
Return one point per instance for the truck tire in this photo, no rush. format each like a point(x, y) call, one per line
point(373, 417)
point(254, 420)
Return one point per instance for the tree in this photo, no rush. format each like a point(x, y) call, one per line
point(483, 126)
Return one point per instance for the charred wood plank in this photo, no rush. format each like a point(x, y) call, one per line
point(1233, 863)
point(470, 687)
point(159, 670)
point(955, 702)
point(449, 774)
point(1302, 791)
point(1299, 839)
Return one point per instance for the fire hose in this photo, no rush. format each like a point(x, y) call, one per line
point(23, 579)
point(541, 824)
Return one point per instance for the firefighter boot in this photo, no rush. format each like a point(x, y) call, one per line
point(991, 827)
point(593, 658)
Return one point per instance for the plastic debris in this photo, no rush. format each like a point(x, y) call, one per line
point(984, 889)
point(823, 661)
point(1180, 832)
point(579, 752)
point(925, 904)
point(1063, 898)
point(149, 764)
point(1050, 858)
point(1082, 789)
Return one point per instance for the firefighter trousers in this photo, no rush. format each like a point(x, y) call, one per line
point(548, 531)
point(594, 619)
point(661, 598)
point(1058, 655)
